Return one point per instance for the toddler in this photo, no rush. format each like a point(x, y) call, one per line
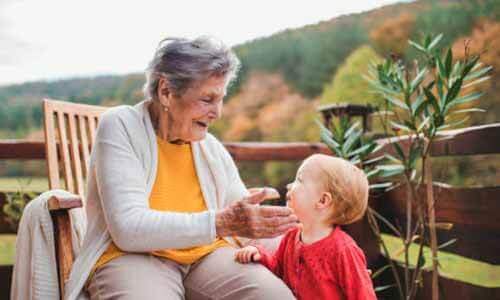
point(319, 260)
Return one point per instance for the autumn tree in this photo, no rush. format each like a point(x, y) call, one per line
point(393, 34)
point(348, 84)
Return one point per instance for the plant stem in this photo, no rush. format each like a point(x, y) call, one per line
point(408, 238)
point(374, 225)
point(432, 229)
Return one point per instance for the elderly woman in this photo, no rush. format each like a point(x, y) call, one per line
point(165, 202)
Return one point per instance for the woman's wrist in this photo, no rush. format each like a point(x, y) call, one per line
point(221, 224)
point(231, 220)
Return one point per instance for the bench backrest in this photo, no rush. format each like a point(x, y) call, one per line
point(69, 135)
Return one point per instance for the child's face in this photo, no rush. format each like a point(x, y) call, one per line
point(304, 192)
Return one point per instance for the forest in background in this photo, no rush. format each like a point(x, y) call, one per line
point(286, 76)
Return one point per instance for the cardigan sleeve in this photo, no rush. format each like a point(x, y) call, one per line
point(121, 182)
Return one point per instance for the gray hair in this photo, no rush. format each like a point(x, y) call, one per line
point(184, 62)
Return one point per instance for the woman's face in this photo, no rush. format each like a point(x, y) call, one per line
point(190, 114)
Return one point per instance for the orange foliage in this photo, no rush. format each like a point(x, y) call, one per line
point(259, 89)
point(241, 128)
point(278, 115)
point(484, 40)
point(266, 109)
point(393, 34)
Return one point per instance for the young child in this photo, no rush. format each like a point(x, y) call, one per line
point(319, 260)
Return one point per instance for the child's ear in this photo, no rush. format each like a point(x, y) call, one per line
point(325, 200)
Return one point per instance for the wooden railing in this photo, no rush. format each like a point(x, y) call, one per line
point(242, 151)
point(468, 141)
point(473, 211)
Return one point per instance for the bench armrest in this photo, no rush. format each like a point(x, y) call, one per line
point(64, 203)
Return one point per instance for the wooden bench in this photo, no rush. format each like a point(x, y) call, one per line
point(70, 130)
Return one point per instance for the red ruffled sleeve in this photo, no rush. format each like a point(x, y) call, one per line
point(274, 262)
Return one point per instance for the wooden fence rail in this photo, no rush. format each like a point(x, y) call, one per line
point(468, 141)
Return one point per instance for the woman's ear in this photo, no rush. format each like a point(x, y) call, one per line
point(324, 201)
point(163, 92)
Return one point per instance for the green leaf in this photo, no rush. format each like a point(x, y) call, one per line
point(399, 150)
point(432, 99)
point(326, 137)
point(351, 129)
point(371, 173)
point(439, 86)
point(454, 124)
point(417, 46)
point(383, 89)
point(355, 160)
point(361, 150)
point(448, 62)
point(469, 65)
point(377, 148)
point(427, 40)
point(373, 160)
point(331, 144)
point(390, 170)
point(392, 158)
point(380, 271)
point(396, 102)
point(446, 244)
point(467, 98)
point(418, 105)
point(434, 42)
point(380, 185)
point(454, 90)
point(421, 261)
point(322, 127)
point(478, 73)
point(440, 67)
point(477, 81)
point(456, 67)
point(467, 110)
point(418, 79)
point(383, 288)
point(351, 140)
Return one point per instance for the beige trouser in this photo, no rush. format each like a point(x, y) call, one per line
point(216, 276)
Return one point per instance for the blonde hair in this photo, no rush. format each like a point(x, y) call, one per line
point(348, 186)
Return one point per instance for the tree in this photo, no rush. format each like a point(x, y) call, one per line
point(348, 84)
point(393, 34)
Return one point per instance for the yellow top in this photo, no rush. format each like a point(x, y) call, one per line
point(177, 189)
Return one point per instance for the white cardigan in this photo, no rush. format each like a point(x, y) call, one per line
point(122, 172)
point(35, 273)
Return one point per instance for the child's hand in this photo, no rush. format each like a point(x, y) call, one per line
point(247, 254)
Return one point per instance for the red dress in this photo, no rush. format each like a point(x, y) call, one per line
point(331, 268)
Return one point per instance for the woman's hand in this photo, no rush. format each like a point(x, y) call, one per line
point(246, 218)
point(247, 254)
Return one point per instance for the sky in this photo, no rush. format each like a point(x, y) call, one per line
point(57, 39)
